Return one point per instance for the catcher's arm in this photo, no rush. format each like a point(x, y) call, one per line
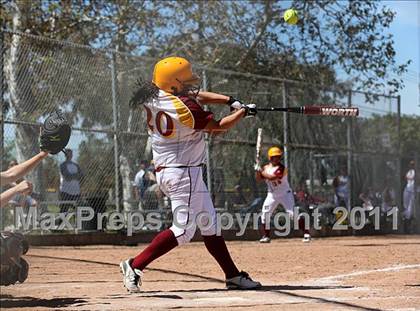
point(24, 187)
point(18, 171)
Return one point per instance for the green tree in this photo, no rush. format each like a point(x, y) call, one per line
point(410, 135)
point(346, 34)
point(247, 36)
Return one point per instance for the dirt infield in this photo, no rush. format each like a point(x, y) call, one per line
point(346, 273)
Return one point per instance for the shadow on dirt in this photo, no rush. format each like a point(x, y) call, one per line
point(381, 244)
point(288, 290)
point(117, 265)
point(268, 288)
point(8, 301)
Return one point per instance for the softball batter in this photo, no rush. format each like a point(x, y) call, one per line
point(177, 124)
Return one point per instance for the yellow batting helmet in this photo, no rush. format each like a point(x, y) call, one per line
point(174, 75)
point(274, 151)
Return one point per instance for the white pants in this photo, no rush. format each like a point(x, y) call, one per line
point(286, 199)
point(190, 200)
point(408, 200)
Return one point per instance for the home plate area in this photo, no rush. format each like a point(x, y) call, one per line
point(345, 273)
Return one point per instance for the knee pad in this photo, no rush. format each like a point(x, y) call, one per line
point(13, 267)
point(15, 272)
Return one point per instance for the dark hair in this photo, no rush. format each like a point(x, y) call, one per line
point(145, 90)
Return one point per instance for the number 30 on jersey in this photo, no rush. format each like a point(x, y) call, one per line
point(163, 123)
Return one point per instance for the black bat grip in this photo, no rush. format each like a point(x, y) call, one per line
point(296, 109)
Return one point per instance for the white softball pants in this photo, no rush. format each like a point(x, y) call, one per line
point(190, 202)
point(286, 199)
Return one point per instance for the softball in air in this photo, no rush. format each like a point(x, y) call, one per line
point(291, 16)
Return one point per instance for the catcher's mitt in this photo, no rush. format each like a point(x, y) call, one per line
point(55, 133)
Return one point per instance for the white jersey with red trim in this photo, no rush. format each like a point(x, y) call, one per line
point(278, 186)
point(410, 176)
point(174, 126)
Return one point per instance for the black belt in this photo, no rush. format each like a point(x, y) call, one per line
point(159, 168)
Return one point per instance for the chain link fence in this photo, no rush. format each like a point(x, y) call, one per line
point(93, 88)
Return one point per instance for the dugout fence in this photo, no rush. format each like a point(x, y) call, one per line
point(93, 88)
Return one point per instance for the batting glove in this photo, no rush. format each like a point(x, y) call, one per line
point(257, 167)
point(231, 100)
point(234, 103)
point(250, 110)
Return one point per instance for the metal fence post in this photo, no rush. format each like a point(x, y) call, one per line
point(285, 129)
point(2, 96)
point(399, 190)
point(115, 119)
point(311, 171)
point(2, 50)
point(207, 141)
point(350, 154)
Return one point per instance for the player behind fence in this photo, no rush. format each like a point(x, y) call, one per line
point(278, 192)
point(177, 123)
point(409, 196)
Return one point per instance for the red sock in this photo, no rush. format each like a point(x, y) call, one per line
point(264, 231)
point(161, 244)
point(302, 225)
point(217, 248)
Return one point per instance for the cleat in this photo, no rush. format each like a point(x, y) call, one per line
point(242, 281)
point(306, 238)
point(265, 239)
point(131, 277)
